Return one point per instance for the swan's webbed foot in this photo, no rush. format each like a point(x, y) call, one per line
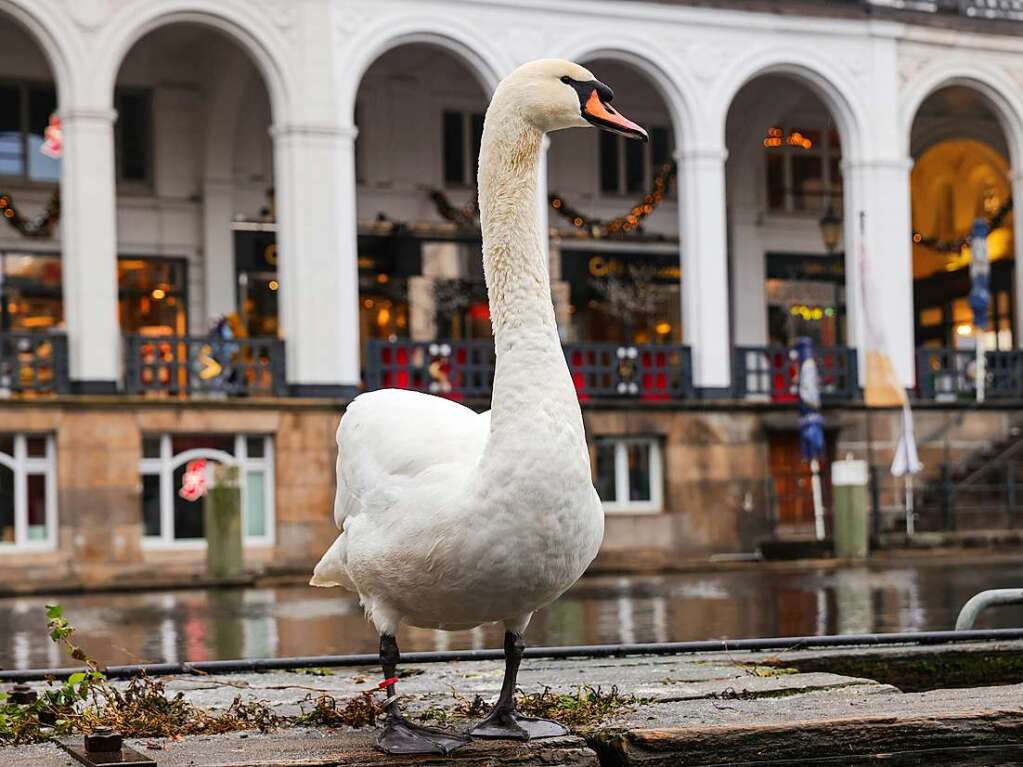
point(510, 724)
point(400, 736)
point(504, 721)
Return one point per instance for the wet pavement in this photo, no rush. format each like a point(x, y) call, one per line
point(194, 625)
point(706, 709)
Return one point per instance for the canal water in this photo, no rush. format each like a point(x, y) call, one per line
point(285, 621)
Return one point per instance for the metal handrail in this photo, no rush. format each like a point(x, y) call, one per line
point(573, 651)
point(982, 601)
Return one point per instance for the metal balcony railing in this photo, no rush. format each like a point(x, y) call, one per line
point(183, 365)
point(33, 363)
point(465, 369)
point(950, 374)
point(772, 372)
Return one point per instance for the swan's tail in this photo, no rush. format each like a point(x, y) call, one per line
point(330, 571)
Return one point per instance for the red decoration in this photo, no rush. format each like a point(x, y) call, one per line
point(53, 146)
point(193, 484)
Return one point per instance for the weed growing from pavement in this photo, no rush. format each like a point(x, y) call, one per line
point(143, 708)
point(587, 707)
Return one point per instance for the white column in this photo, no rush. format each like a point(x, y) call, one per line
point(218, 249)
point(880, 188)
point(702, 236)
point(1017, 197)
point(541, 199)
point(89, 248)
point(317, 252)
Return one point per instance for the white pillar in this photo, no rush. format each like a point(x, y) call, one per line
point(318, 251)
point(89, 249)
point(218, 249)
point(880, 188)
point(702, 236)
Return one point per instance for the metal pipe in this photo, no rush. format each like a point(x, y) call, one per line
point(990, 598)
point(578, 651)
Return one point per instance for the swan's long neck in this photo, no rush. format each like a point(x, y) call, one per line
point(531, 377)
point(514, 259)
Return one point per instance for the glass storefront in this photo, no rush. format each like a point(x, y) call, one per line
point(152, 294)
point(624, 297)
point(30, 292)
point(805, 298)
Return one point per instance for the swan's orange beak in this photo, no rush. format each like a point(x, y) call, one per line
point(598, 111)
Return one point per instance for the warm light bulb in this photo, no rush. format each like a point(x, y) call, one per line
point(158, 294)
point(273, 284)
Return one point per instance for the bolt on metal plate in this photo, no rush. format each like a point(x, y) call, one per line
point(125, 756)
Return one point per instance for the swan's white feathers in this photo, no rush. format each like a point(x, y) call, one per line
point(451, 518)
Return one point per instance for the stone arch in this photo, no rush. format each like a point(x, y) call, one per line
point(56, 42)
point(468, 46)
point(818, 75)
point(249, 33)
point(999, 91)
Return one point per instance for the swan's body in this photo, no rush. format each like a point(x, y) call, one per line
point(449, 518)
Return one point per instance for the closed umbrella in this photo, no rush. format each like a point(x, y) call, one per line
point(811, 426)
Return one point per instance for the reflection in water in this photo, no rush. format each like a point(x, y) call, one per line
point(296, 620)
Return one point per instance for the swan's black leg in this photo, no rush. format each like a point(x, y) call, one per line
point(505, 721)
point(399, 735)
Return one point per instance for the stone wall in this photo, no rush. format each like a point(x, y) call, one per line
point(717, 482)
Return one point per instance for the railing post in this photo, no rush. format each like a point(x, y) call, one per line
point(1010, 491)
point(875, 503)
point(947, 497)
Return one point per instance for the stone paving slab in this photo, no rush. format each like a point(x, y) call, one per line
point(709, 709)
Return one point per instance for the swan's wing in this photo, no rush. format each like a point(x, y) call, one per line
point(389, 437)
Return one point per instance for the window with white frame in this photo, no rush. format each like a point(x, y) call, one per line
point(168, 518)
point(628, 473)
point(462, 134)
point(630, 167)
point(804, 168)
point(28, 493)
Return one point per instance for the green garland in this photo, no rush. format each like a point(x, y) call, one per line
point(625, 224)
point(41, 226)
point(466, 217)
point(955, 246)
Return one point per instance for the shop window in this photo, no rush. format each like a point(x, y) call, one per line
point(624, 297)
point(168, 518)
point(26, 109)
point(28, 498)
point(30, 292)
point(152, 296)
point(628, 473)
point(629, 167)
point(462, 134)
point(803, 169)
point(133, 134)
point(805, 297)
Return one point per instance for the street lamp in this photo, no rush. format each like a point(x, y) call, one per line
point(831, 228)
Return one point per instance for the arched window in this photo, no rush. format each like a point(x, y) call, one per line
point(168, 518)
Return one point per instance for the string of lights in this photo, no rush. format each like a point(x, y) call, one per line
point(41, 226)
point(624, 224)
point(956, 245)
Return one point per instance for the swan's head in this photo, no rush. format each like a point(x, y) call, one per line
point(554, 93)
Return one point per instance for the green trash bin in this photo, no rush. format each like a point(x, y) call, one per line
point(851, 522)
point(222, 515)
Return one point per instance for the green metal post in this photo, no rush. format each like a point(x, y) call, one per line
point(222, 513)
point(849, 480)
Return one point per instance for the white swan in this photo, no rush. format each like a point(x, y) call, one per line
point(450, 518)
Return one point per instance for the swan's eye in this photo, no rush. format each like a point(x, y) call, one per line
point(566, 79)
